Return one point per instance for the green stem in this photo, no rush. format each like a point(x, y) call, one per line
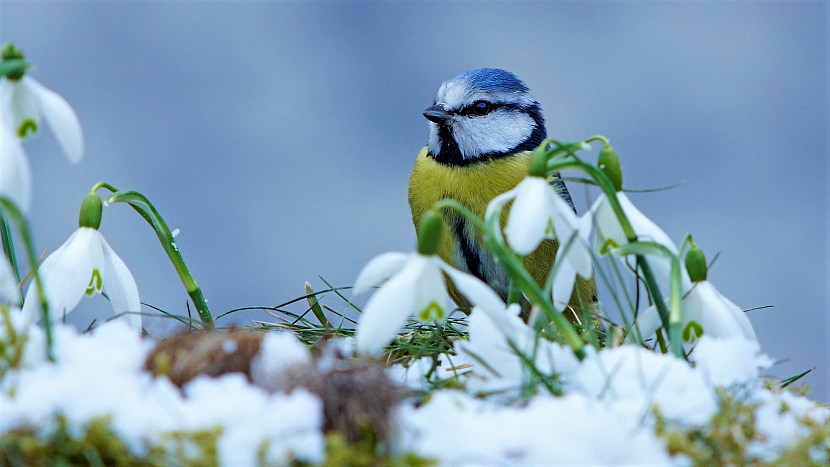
point(514, 267)
point(8, 247)
point(16, 217)
point(675, 315)
point(143, 206)
point(611, 194)
point(514, 294)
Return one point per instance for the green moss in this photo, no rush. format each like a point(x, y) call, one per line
point(98, 446)
point(187, 449)
point(340, 453)
point(722, 442)
point(11, 345)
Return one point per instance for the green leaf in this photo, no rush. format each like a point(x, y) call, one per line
point(146, 209)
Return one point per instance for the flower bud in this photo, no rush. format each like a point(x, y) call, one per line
point(609, 163)
point(91, 210)
point(696, 264)
point(429, 232)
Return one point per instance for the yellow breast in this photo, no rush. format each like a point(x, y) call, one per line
point(474, 186)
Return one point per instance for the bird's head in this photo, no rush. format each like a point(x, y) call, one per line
point(481, 115)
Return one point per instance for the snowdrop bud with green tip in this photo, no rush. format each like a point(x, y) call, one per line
point(696, 263)
point(609, 163)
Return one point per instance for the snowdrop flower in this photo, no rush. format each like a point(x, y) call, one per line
point(84, 265)
point(538, 212)
point(415, 286)
point(704, 308)
point(23, 99)
point(704, 305)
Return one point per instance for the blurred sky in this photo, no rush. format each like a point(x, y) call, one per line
point(278, 137)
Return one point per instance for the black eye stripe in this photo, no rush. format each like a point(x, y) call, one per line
point(471, 110)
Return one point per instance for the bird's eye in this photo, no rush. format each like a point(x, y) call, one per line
point(481, 107)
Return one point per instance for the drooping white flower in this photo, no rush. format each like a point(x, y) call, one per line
point(415, 287)
point(609, 228)
point(537, 213)
point(717, 316)
point(21, 103)
point(84, 265)
point(15, 174)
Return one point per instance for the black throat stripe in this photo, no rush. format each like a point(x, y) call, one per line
point(468, 252)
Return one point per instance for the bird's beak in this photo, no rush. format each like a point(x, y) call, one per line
point(437, 113)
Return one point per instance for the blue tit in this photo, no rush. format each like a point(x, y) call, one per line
point(483, 126)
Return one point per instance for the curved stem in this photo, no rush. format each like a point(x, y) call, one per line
point(514, 267)
point(106, 185)
point(143, 206)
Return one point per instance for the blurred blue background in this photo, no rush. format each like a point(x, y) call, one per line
point(278, 137)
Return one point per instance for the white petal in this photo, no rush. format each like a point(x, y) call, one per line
point(648, 321)
point(643, 226)
point(61, 118)
point(607, 225)
point(432, 302)
point(120, 286)
point(387, 310)
point(15, 173)
point(17, 99)
point(497, 204)
point(476, 291)
point(563, 286)
point(530, 215)
point(574, 250)
point(66, 274)
point(719, 317)
point(646, 230)
point(379, 269)
point(565, 221)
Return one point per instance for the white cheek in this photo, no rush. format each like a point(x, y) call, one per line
point(499, 131)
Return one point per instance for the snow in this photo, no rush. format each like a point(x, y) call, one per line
point(458, 429)
point(609, 396)
point(100, 374)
